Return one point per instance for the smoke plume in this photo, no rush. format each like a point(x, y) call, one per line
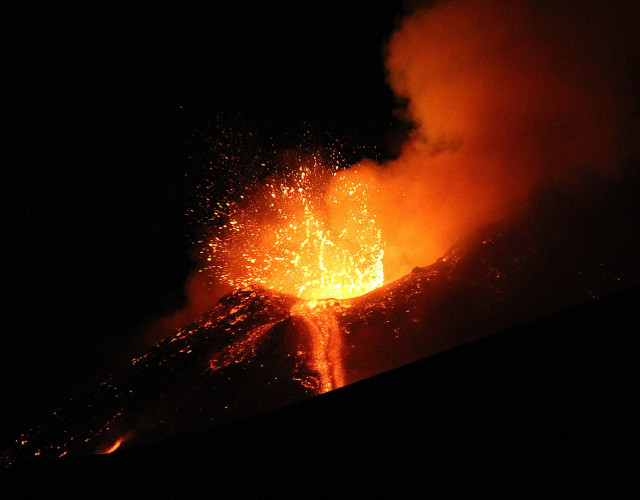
point(505, 98)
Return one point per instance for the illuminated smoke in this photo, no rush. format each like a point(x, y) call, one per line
point(506, 98)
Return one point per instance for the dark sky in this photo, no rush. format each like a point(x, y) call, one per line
point(108, 104)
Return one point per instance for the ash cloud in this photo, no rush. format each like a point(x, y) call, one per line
point(506, 98)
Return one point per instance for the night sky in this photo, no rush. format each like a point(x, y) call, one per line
point(112, 109)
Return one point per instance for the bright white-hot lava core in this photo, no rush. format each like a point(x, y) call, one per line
point(310, 233)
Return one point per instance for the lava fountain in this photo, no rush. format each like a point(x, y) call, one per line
point(310, 233)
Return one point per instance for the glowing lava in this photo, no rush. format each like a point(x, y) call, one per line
point(309, 233)
point(325, 352)
point(113, 447)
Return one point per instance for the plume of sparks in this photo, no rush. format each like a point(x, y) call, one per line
point(310, 233)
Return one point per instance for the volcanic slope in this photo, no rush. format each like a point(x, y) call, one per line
point(258, 350)
point(545, 405)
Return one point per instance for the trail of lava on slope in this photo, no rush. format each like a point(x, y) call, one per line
point(325, 343)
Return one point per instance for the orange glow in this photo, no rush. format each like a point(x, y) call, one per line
point(506, 100)
point(505, 103)
point(310, 233)
point(325, 356)
point(113, 447)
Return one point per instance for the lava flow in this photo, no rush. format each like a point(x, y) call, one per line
point(325, 352)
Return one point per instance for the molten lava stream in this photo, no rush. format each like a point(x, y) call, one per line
point(325, 342)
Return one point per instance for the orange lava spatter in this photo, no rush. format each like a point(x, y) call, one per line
point(309, 233)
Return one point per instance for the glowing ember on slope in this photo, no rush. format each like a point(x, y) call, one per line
point(310, 233)
point(113, 447)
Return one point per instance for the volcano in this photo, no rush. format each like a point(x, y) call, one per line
point(493, 146)
point(258, 350)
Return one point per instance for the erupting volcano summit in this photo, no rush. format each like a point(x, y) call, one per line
point(511, 195)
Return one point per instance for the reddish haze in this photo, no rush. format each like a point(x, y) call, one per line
point(506, 97)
